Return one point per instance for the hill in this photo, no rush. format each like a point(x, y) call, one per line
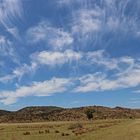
point(52, 113)
point(4, 112)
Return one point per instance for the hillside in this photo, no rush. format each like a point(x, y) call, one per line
point(51, 113)
point(4, 112)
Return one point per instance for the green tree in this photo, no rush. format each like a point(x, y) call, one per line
point(89, 113)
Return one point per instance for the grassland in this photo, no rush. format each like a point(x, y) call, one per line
point(94, 130)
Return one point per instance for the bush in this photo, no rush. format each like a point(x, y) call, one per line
point(47, 131)
point(56, 131)
point(65, 134)
point(41, 132)
point(89, 113)
point(62, 134)
point(26, 133)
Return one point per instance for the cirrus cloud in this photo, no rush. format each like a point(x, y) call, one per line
point(45, 88)
point(56, 37)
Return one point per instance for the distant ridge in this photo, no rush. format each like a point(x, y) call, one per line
point(53, 113)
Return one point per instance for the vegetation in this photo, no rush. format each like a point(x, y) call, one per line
point(89, 113)
point(115, 129)
point(70, 124)
point(50, 113)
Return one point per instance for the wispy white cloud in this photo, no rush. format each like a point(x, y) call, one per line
point(49, 58)
point(87, 21)
point(9, 10)
point(95, 58)
point(98, 81)
point(19, 72)
point(14, 32)
point(102, 58)
point(5, 46)
point(45, 88)
point(7, 49)
point(56, 37)
point(102, 82)
point(87, 18)
point(56, 58)
point(87, 83)
point(84, 59)
point(95, 19)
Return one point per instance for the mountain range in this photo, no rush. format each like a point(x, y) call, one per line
point(53, 113)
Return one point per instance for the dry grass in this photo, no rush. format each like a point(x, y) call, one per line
point(95, 130)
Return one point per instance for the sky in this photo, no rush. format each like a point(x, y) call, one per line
point(69, 53)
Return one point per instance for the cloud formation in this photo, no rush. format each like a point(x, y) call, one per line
point(7, 49)
point(9, 9)
point(52, 58)
point(45, 88)
point(56, 37)
point(10, 12)
point(86, 83)
point(94, 20)
point(87, 21)
point(55, 59)
point(102, 82)
point(78, 34)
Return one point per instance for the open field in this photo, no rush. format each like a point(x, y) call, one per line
point(96, 130)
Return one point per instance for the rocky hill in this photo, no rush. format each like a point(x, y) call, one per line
point(52, 113)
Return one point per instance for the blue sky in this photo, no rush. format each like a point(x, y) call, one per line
point(69, 53)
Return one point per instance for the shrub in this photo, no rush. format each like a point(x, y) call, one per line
point(62, 134)
point(47, 131)
point(41, 132)
point(26, 133)
point(65, 134)
point(56, 131)
point(89, 113)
